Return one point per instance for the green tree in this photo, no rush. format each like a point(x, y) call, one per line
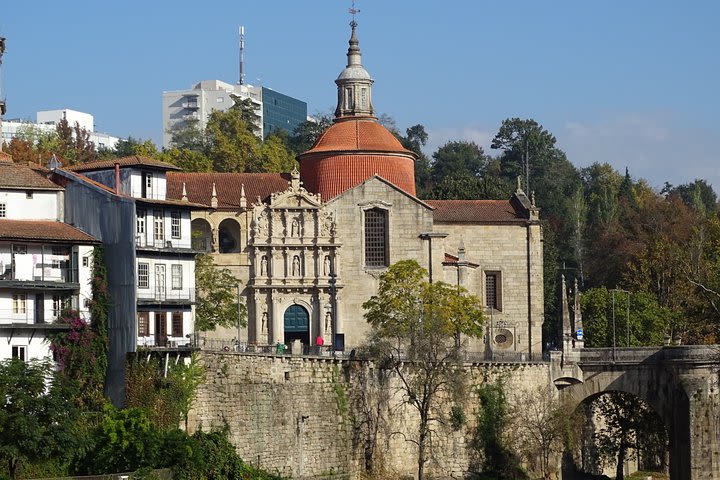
point(626, 420)
point(217, 296)
point(231, 144)
point(37, 414)
point(416, 325)
point(187, 159)
point(127, 147)
point(187, 135)
point(306, 134)
point(274, 156)
point(644, 324)
point(499, 461)
point(125, 440)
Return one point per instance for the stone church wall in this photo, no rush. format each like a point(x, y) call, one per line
point(407, 219)
point(305, 417)
point(503, 248)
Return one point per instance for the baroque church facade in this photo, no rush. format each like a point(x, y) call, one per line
point(309, 246)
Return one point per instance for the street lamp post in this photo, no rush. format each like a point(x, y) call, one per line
point(333, 307)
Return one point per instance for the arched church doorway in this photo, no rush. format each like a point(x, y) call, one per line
point(297, 325)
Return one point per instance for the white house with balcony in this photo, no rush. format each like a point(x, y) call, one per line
point(162, 261)
point(45, 264)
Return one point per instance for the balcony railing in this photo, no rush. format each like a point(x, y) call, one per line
point(166, 295)
point(40, 273)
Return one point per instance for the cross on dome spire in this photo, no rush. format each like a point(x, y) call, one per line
point(354, 82)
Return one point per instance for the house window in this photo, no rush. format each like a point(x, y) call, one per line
point(177, 324)
point(159, 223)
point(57, 257)
point(19, 304)
point(175, 224)
point(28, 194)
point(147, 185)
point(493, 294)
point(60, 303)
point(176, 277)
point(143, 275)
point(143, 319)
point(3, 210)
point(19, 352)
point(376, 238)
point(20, 249)
point(141, 222)
point(86, 261)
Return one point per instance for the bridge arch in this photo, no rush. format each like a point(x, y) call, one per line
point(650, 377)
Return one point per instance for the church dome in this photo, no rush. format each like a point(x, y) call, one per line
point(357, 133)
point(351, 151)
point(356, 147)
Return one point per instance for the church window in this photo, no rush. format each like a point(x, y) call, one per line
point(348, 98)
point(376, 238)
point(493, 297)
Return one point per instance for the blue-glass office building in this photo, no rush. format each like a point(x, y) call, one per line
point(281, 112)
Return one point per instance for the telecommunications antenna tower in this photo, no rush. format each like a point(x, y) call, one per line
point(242, 55)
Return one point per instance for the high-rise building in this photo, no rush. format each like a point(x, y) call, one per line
point(274, 109)
point(197, 103)
point(281, 112)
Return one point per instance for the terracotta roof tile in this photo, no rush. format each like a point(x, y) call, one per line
point(132, 161)
point(357, 134)
point(21, 177)
point(227, 186)
point(475, 211)
point(43, 230)
point(451, 259)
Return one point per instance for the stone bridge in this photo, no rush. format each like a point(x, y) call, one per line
point(681, 383)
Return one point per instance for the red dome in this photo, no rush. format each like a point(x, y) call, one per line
point(351, 151)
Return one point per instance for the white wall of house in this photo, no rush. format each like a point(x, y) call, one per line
point(27, 344)
point(30, 204)
point(156, 184)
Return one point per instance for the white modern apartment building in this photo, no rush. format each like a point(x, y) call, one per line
point(201, 100)
point(47, 120)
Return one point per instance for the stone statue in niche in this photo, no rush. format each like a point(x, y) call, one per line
point(263, 326)
point(326, 265)
point(295, 228)
point(261, 224)
point(296, 266)
point(263, 265)
point(328, 318)
point(325, 225)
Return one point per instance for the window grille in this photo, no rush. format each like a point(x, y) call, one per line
point(376, 238)
point(143, 275)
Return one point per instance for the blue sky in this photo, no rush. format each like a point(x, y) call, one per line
point(629, 82)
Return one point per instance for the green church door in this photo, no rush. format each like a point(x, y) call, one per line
point(297, 325)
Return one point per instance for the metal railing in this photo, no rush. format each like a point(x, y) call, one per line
point(166, 294)
point(41, 273)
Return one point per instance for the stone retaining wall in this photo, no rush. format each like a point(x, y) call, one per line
point(305, 417)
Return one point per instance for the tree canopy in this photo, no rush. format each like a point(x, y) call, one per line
point(416, 326)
